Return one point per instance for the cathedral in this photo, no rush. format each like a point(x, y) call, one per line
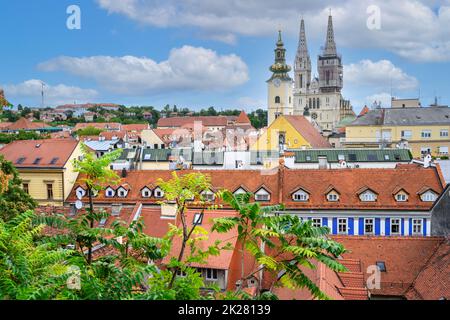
point(320, 98)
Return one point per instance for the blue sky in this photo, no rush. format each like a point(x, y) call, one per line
point(199, 53)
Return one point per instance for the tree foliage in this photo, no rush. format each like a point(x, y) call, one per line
point(13, 199)
point(290, 244)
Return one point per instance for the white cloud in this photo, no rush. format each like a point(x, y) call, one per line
point(414, 29)
point(54, 94)
point(187, 68)
point(378, 75)
point(384, 98)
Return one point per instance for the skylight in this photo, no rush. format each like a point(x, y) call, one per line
point(54, 160)
point(37, 160)
point(381, 265)
point(20, 160)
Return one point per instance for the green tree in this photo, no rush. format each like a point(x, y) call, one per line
point(289, 243)
point(89, 131)
point(13, 199)
point(95, 173)
point(28, 271)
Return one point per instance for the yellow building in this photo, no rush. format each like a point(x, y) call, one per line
point(45, 167)
point(288, 133)
point(422, 130)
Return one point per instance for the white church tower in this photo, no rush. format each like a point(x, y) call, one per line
point(280, 85)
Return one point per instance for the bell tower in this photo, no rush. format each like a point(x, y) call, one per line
point(302, 66)
point(280, 85)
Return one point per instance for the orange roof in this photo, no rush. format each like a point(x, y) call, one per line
point(364, 111)
point(50, 153)
point(283, 182)
point(307, 130)
point(422, 261)
point(211, 121)
point(243, 118)
point(4, 125)
point(109, 135)
point(135, 127)
point(25, 124)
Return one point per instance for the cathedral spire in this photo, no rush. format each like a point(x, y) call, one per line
point(302, 44)
point(330, 45)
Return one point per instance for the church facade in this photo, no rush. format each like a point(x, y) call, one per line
point(319, 96)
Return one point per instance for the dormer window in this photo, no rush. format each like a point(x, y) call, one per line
point(208, 195)
point(122, 192)
point(146, 193)
point(300, 196)
point(401, 197)
point(158, 193)
point(110, 192)
point(333, 197)
point(240, 191)
point(80, 192)
point(262, 195)
point(198, 219)
point(368, 196)
point(429, 196)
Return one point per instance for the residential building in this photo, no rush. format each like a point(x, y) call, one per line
point(45, 167)
point(24, 124)
point(107, 126)
point(440, 214)
point(290, 132)
point(374, 202)
point(422, 130)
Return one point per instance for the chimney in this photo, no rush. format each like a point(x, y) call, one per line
point(281, 170)
point(124, 173)
point(323, 162)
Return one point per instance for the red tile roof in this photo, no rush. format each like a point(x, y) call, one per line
point(364, 111)
point(4, 125)
point(53, 153)
point(176, 122)
point(419, 262)
point(307, 130)
point(135, 127)
point(243, 118)
point(109, 135)
point(25, 124)
point(282, 183)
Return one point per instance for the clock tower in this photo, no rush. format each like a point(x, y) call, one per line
point(280, 85)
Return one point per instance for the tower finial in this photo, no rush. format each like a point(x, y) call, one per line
point(330, 44)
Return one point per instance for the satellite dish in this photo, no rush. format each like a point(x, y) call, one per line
point(78, 204)
point(80, 194)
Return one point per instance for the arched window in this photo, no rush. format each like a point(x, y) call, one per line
point(277, 99)
point(318, 103)
point(310, 103)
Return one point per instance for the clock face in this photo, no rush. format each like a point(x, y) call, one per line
point(277, 82)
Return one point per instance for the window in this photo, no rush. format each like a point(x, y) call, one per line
point(20, 160)
point(122, 193)
point(368, 196)
point(443, 150)
point(395, 226)
point(54, 161)
point(37, 160)
point(426, 134)
point(208, 196)
point(110, 193)
point(342, 226)
point(211, 274)
point(417, 226)
point(158, 193)
point(381, 266)
point(368, 226)
point(301, 196)
point(102, 223)
point(372, 157)
point(277, 99)
point(407, 134)
point(425, 150)
point(316, 222)
point(50, 191)
point(444, 133)
point(333, 197)
point(429, 196)
point(146, 193)
point(80, 192)
point(26, 188)
point(198, 219)
point(240, 191)
point(262, 195)
point(352, 157)
point(401, 197)
point(181, 273)
point(386, 157)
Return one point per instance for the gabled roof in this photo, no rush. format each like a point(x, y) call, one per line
point(25, 124)
point(135, 127)
point(53, 153)
point(243, 118)
point(364, 111)
point(307, 130)
point(207, 121)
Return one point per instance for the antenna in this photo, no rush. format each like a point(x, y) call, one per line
point(42, 94)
